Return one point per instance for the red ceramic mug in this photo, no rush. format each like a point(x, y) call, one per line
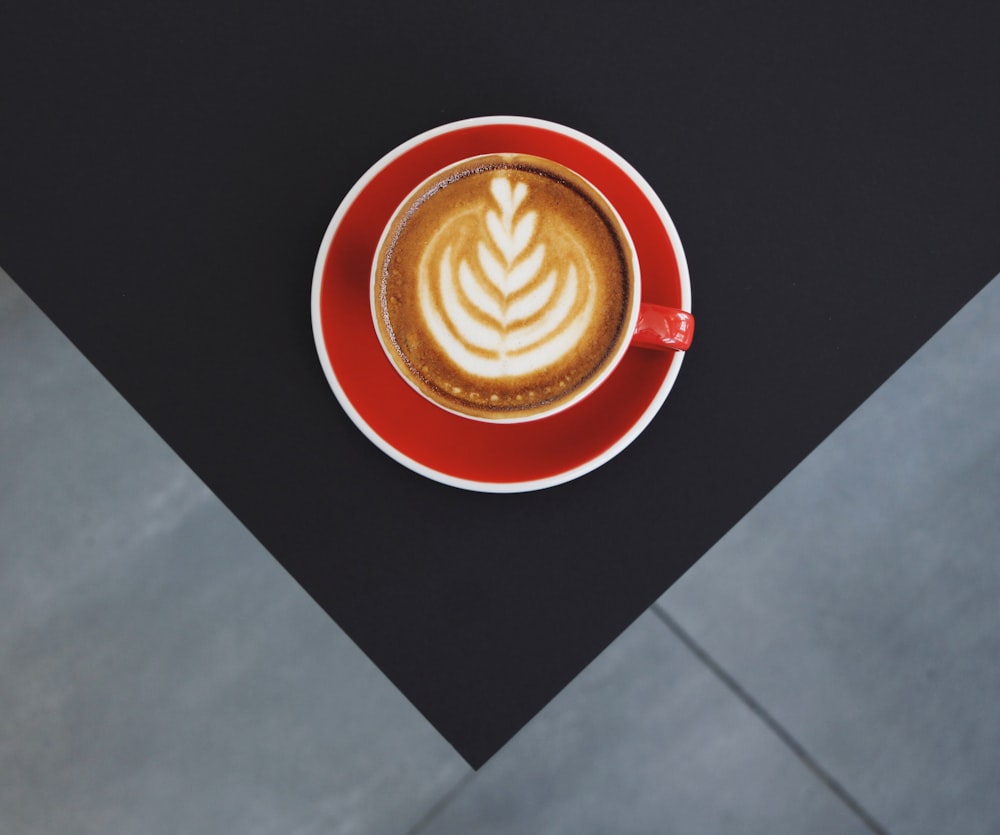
point(506, 288)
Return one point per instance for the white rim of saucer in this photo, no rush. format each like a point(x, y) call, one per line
point(437, 475)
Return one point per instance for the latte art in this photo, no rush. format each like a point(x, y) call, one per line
point(503, 286)
point(509, 303)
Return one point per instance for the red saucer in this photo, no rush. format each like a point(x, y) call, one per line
point(455, 450)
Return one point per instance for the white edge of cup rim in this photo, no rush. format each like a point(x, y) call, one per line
point(437, 475)
point(592, 385)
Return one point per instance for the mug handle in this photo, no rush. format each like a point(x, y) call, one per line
point(663, 328)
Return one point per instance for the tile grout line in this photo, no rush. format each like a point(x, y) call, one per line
point(758, 710)
point(439, 805)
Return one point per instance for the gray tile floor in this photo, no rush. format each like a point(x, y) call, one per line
point(832, 665)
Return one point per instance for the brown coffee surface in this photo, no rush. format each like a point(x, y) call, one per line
point(503, 286)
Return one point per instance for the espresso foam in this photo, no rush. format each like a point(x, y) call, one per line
point(503, 286)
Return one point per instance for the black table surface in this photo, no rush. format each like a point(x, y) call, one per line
point(167, 172)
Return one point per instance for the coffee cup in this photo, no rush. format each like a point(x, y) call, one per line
point(505, 288)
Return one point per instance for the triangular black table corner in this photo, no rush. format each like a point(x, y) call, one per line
point(165, 179)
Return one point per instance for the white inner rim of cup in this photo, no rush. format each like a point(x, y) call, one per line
point(583, 391)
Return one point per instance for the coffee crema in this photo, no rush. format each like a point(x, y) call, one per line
point(503, 287)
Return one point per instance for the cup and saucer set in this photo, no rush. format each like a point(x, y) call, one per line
point(402, 319)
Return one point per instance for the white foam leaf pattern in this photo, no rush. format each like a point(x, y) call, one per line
point(514, 308)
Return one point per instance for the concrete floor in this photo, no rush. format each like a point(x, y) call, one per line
point(831, 666)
